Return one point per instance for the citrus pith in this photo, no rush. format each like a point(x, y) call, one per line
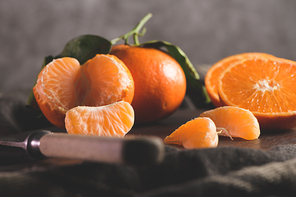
point(64, 84)
point(113, 120)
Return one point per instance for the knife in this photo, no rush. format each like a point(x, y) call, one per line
point(128, 150)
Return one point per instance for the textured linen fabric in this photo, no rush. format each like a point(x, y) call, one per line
point(223, 171)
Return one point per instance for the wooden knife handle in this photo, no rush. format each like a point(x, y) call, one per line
point(133, 150)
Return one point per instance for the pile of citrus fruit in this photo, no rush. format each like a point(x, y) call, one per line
point(64, 84)
point(257, 92)
point(98, 88)
point(259, 82)
point(105, 94)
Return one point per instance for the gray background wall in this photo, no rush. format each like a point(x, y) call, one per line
point(206, 30)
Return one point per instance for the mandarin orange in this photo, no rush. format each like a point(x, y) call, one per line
point(160, 83)
point(234, 122)
point(265, 86)
point(196, 133)
point(64, 84)
point(113, 120)
point(214, 73)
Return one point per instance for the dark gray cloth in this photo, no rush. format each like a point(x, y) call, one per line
point(224, 171)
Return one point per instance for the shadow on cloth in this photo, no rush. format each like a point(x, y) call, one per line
point(223, 171)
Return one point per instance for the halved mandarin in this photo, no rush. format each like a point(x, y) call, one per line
point(266, 87)
point(213, 75)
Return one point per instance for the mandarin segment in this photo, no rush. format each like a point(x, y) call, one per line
point(234, 121)
point(113, 120)
point(64, 84)
point(265, 86)
point(214, 73)
point(196, 133)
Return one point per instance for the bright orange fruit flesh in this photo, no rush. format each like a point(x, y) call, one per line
point(234, 121)
point(214, 73)
point(196, 133)
point(64, 84)
point(266, 87)
point(113, 120)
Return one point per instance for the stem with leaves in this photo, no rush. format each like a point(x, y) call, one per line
point(135, 32)
point(196, 90)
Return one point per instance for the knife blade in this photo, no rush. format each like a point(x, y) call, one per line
point(128, 150)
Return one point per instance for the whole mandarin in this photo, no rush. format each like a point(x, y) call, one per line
point(160, 83)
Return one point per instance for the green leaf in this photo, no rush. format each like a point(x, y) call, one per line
point(195, 89)
point(86, 47)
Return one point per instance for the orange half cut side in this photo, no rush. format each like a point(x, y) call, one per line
point(266, 87)
point(214, 73)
